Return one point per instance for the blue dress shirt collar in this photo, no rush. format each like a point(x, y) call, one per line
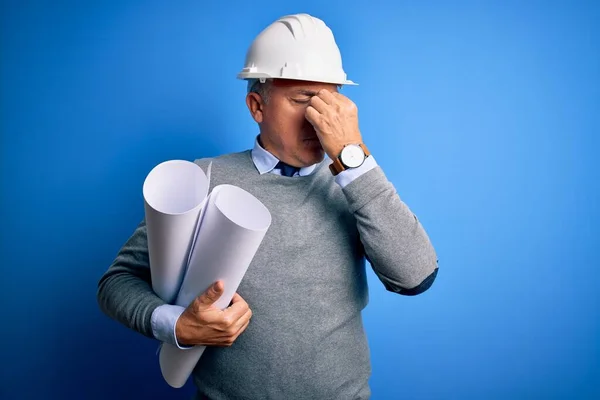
point(265, 161)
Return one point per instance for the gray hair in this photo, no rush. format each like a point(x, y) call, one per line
point(262, 88)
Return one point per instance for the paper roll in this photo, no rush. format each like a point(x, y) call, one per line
point(232, 228)
point(195, 239)
point(174, 193)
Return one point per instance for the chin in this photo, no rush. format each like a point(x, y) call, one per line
point(314, 157)
point(310, 153)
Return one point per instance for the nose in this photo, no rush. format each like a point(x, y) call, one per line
point(308, 128)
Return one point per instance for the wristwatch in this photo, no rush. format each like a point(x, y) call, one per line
point(351, 156)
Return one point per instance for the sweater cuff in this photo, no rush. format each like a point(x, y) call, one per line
point(366, 187)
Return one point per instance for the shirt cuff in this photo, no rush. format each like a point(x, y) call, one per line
point(164, 319)
point(345, 177)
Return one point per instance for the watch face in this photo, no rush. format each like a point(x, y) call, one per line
point(352, 156)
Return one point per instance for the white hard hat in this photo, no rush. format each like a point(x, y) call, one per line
point(298, 47)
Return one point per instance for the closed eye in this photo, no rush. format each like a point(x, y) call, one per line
point(301, 101)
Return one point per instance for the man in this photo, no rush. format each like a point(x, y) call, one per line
point(293, 329)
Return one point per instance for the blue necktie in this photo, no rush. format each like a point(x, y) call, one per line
point(286, 170)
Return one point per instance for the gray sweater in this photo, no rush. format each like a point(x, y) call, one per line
point(306, 285)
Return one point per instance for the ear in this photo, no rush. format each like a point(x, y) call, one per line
point(255, 106)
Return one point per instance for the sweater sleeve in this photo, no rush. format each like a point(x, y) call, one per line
point(125, 290)
point(394, 241)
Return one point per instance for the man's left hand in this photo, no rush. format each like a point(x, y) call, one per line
point(335, 119)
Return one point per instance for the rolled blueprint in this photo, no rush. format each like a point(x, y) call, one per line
point(174, 193)
point(231, 228)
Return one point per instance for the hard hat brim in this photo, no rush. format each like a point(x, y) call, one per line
point(258, 75)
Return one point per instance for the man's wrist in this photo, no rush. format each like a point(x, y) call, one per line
point(346, 177)
point(164, 322)
point(179, 336)
point(351, 159)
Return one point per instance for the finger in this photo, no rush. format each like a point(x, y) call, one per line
point(237, 325)
point(243, 320)
point(318, 104)
point(232, 313)
point(344, 101)
point(242, 329)
point(210, 296)
point(313, 116)
point(228, 337)
point(236, 298)
point(326, 96)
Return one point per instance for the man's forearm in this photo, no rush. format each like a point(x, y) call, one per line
point(125, 291)
point(395, 243)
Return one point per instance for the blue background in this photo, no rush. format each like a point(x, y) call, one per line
point(485, 115)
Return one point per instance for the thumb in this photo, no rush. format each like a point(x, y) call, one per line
point(212, 294)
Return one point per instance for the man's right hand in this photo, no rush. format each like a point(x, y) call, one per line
point(203, 324)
